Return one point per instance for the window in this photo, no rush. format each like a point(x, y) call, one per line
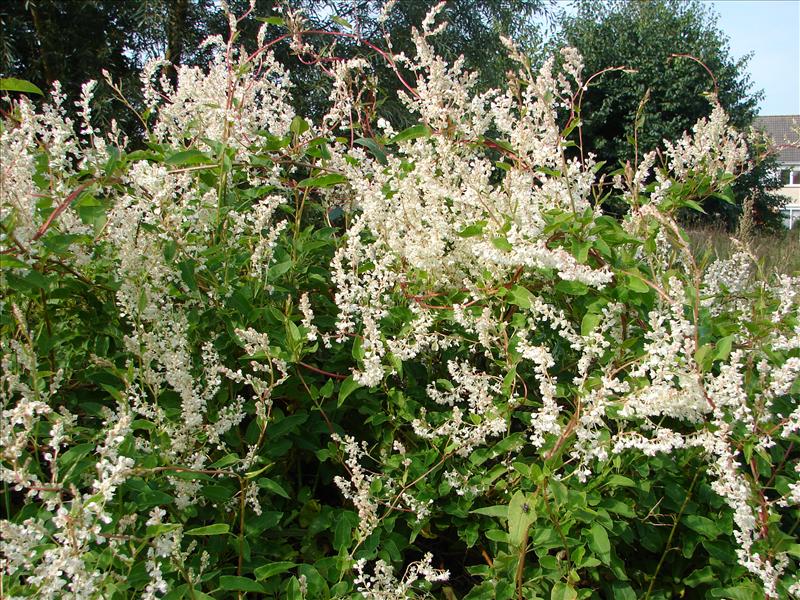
point(791, 216)
point(790, 176)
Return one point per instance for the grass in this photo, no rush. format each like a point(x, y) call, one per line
point(778, 253)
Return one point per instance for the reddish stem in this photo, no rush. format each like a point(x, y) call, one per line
point(61, 208)
point(338, 376)
point(387, 57)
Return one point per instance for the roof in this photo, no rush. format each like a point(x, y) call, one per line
point(780, 129)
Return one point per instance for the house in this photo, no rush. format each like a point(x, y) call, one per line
point(785, 133)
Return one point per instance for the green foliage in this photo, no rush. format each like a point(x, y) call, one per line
point(175, 414)
point(19, 85)
point(69, 42)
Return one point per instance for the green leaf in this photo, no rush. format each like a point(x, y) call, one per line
point(226, 461)
point(293, 590)
point(221, 494)
point(498, 510)
point(599, 543)
point(10, 84)
point(694, 206)
point(472, 230)
point(74, 454)
point(271, 20)
point(563, 591)
point(326, 391)
point(293, 333)
point(279, 269)
point(793, 550)
point(572, 288)
point(638, 285)
point(170, 248)
point(548, 171)
point(446, 384)
point(9, 262)
point(413, 132)
point(215, 529)
point(341, 534)
point(581, 250)
point(701, 355)
point(726, 195)
point(257, 472)
point(702, 525)
point(373, 147)
point(520, 296)
point(611, 231)
point(154, 530)
point(272, 486)
point(622, 591)
point(318, 148)
point(272, 569)
point(323, 181)
point(235, 583)
point(621, 481)
point(347, 387)
point(150, 498)
point(186, 268)
point(723, 348)
point(283, 426)
point(498, 536)
point(520, 517)
point(501, 243)
point(341, 21)
point(589, 322)
point(509, 380)
point(743, 591)
point(298, 126)
point(700, 576)
point(502, 144)
point(188, 157)
point(618, 507)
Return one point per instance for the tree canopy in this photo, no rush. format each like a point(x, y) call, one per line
point(674, 56)
point(657, 40)
point(72, 42)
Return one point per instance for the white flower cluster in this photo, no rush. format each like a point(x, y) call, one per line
point(230, 101)
point(351, 80)
point(470, 427)
point(161, 222)
point(26, 186)
point(357, 488)
point(713, 148)
point(383, 585)
point(731, 275)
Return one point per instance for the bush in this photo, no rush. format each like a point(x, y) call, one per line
point(315, 360)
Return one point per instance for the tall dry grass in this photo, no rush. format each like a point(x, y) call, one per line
point(778, 253)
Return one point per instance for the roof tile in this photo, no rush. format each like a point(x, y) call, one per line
point(783, 129)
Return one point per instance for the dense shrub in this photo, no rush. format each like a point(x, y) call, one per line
point(276, 358)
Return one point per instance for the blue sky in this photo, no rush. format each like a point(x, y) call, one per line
point(770, 30)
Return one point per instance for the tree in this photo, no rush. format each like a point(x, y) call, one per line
point(670, 49)
point(473, 31)
point(73, 41)
point(69, 42)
